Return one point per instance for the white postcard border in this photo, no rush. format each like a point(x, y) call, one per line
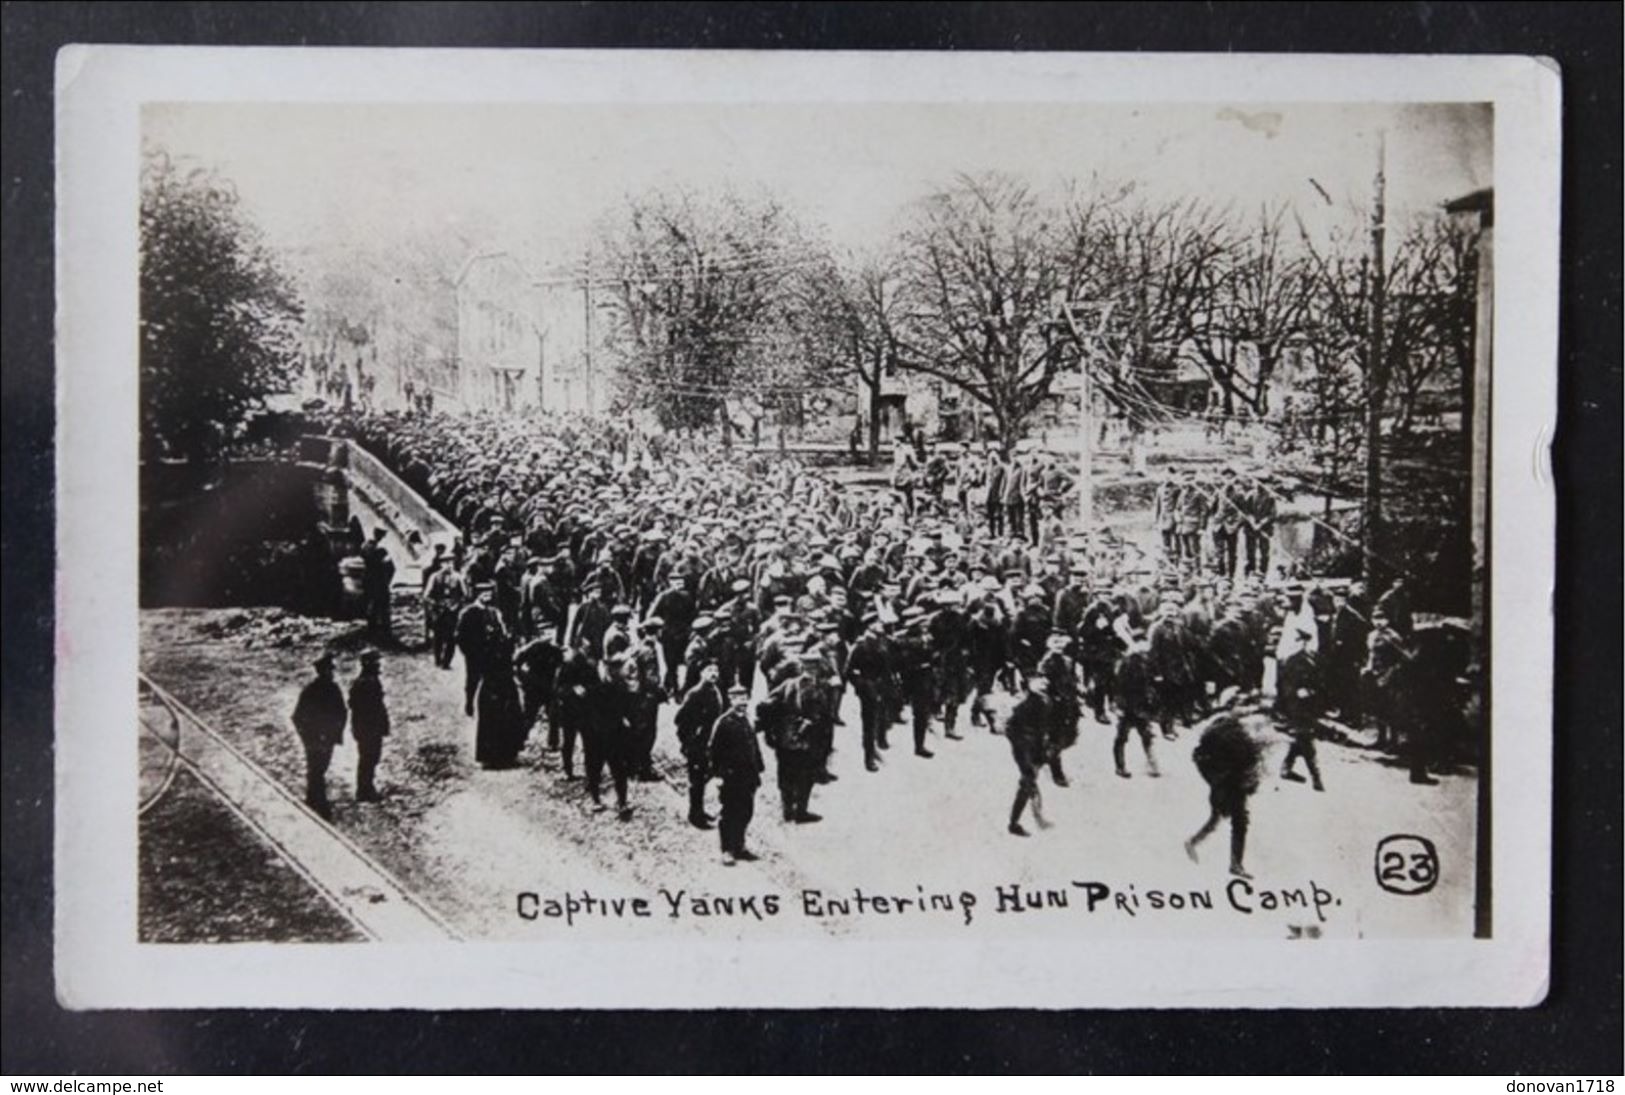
point(99, 964)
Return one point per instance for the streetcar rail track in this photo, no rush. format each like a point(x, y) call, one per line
point(379, 906)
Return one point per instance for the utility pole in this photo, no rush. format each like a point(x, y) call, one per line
point(1087, 342)
point(587, 336)
point(1376, 379)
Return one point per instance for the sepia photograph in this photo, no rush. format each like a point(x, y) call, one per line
point(851, 523)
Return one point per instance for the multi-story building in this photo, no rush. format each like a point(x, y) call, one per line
point(522, 342)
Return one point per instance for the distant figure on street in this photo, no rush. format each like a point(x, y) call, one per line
point(319, 718)
point(369, 724)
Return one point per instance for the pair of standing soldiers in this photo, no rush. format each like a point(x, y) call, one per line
point(319, 718)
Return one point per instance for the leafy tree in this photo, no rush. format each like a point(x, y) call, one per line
point(218, 314)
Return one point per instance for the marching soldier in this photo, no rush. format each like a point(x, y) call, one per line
point(699, 710)
point(1061, 676)
point(1228, 758)
point(914, 648)
point(618, 636)
point(1099, 646)
point(377, 576)
point(576, 686)
point(744, 622)
point(319, 718)
point(1028, 733)
point(675, 609)
point(704, 648)
point(947, 636)
point(736, 761)
point(1136, 707)
point(1171, 671)
point(615, 716)
point(536, 664)
point(869, 671)
point(369, 725)
point(479, 632)
point(795, 717)
point(644, 657)
point(986, 644)
point(444, 597)
point(592, 622)
point(1298, 702)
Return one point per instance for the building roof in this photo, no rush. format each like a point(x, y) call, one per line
point(1481, 202)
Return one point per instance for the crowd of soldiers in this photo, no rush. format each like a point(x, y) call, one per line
point(597, 582)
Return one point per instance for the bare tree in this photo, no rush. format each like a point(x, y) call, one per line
point(982, 271)
point(855, 309)
point(1247, 299)
point(700, 299)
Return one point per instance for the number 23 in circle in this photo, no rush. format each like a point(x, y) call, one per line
point(1407, 864)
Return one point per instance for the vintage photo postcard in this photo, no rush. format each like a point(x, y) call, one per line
point(694, 530)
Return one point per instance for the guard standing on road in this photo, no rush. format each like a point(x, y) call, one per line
point(369, 725)
point(736, 760)
point(479, 632)
point(695, 717)
point(319, 717)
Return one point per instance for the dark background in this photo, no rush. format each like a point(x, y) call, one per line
point(1577, 1032)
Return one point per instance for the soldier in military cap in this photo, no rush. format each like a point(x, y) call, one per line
point(870, 672)
point(618, 636)
point(675, 609)
point(1228, 757)
point(1099, 648)
point(646, 658)
point(319, 718)
point(1135, 696)
point(700, 708)
point(444, 596)
point(1299, 702)
point(795, 717)
point(744, 623)
point(369, 725)
point(1061, 674)
point(1028, 734)
point(480, 631)
point(704, 648)
point(576, 686)
point(918, 672)
point(736, 761)
point(536, 664)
